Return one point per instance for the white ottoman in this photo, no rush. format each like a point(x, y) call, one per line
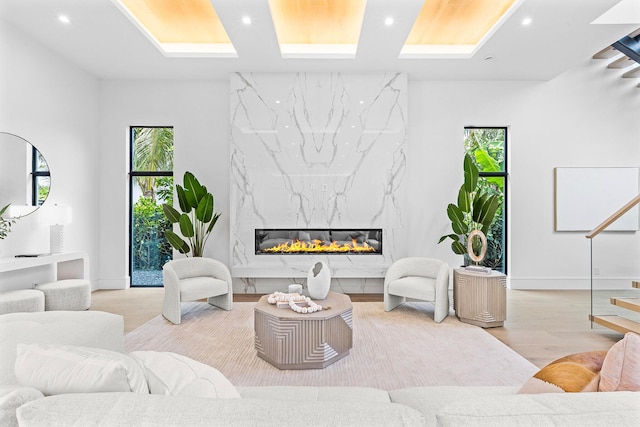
point(68, 295)
point(21, 300)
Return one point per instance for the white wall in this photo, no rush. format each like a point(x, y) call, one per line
point(585, 117)
point(54, 105)
point(199, 113)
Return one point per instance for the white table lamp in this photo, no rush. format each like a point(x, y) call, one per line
point(56, 217)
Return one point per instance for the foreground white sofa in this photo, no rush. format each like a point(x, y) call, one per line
point(271, 406)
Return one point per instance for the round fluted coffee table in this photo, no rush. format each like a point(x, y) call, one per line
point(290, 340)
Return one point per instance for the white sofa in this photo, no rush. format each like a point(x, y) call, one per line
point(266, 406)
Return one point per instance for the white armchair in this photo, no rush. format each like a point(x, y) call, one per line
point(191, 279)
point(418, 278)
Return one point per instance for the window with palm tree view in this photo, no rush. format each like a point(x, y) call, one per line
point(151, 185)
point(40, 178)
point(487, 146)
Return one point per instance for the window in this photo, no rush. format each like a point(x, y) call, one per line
point(40, 178)
point(151, 185)
point(488, 147)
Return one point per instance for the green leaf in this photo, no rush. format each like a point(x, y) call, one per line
point(486, 162)
point(458, 248)
point(2, 211)
point(457, 219)
point(454, 213)
point(195, 192)
point(190, 182)
point(470, 174)
point(464, 199)
point(479, 201)
point(186, 226)
point(489, 213)
point(177, 243)
point(185, 206)
point(172, 215)
point(204, 212)
point(454, 237)
point(213, 222)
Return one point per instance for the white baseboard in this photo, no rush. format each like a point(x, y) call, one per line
point(570, 283)
point(112, 284)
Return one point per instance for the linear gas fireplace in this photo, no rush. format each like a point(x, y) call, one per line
point(283, 241)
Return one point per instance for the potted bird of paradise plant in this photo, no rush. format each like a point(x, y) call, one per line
point(196, 219)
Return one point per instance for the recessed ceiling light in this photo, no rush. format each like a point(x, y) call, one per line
point(388, 21)
point(246, 20)
point(527, 21)
point(64, 18)
point(277, 101)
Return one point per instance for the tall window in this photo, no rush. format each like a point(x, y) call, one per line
point(151, 185)
point(40, 178)
point(488, 147)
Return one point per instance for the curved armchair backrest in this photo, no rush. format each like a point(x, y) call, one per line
point(417, 266)
point(185, 268)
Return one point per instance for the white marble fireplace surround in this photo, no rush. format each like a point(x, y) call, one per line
point(316, 150)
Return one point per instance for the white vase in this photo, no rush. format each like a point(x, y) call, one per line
point(318, 280)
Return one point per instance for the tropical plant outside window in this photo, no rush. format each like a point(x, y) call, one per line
point(487, 146)
point(151, 185)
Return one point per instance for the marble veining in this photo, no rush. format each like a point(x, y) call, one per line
point(316, 150)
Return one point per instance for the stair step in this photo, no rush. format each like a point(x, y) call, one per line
point(628, 303)
point(634, 73)
point(617, 323)
point(607, 52)
point(622, 62)
point(636, 283)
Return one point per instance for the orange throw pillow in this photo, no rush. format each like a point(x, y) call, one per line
point(577, 372)
point(621, 367)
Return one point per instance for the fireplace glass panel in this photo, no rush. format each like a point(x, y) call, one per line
point(294, 241)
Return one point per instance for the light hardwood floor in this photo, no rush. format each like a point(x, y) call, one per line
point(541, 325)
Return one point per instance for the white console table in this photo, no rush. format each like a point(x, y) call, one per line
point(65, 265)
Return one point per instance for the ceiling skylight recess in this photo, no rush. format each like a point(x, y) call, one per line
point(317, 28)
point(455, 28)
point(180, 28)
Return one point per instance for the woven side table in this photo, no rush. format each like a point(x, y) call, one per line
point(480, 299)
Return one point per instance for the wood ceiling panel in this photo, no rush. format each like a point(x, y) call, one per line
point(179, 21)
point(317, 21)
point(465, 22)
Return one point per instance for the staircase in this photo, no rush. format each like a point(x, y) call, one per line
point(624, 55)
point(619, 323)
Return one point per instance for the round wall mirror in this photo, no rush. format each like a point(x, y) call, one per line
point(25, 180)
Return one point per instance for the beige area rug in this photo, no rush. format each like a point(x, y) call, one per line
point(401, 348)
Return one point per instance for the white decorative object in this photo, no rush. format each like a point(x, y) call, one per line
point(296, 302)
point(483, 246)
point(296, 288)
point(55, 216)
point(319, 280)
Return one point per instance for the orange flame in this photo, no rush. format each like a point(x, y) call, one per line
point(315, 246)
